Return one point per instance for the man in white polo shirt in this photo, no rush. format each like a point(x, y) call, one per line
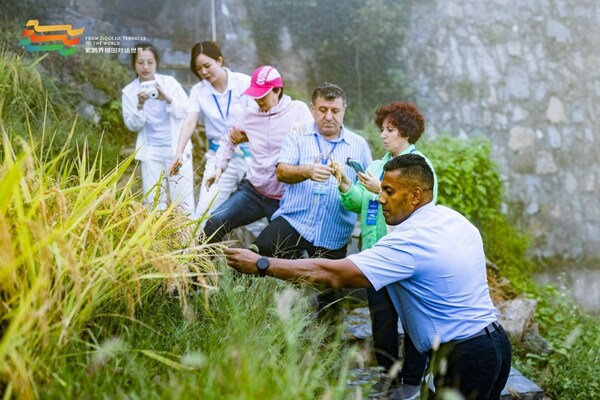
point(433, 266)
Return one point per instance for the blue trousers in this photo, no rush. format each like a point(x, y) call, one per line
point(384, 325)
point(477, 367)
point(243, 207)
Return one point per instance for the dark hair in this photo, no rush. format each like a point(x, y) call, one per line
point(209, 49)
point(280, 95)
point(329, 91)
point(412, 166)
point(144, 46)
point(404, 116)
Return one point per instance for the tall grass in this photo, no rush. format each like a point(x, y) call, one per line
point(72, 246)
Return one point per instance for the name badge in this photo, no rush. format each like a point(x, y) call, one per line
point(372, 212)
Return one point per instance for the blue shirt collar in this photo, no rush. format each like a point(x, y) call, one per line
point(340, 138)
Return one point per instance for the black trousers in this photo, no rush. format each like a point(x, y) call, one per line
point(384, 324)
point(280, 239)
point(478, 367)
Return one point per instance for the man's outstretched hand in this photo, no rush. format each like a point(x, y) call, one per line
point(242, 260)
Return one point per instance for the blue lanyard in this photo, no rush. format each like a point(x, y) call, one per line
point(324, 160)
point(219, 107)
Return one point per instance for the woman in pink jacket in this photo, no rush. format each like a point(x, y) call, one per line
point(263, 125)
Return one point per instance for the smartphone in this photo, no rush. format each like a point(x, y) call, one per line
point(355, 164)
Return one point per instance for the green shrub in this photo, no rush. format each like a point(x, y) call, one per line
point(468, 180)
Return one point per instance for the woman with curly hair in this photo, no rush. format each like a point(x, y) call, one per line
point(401, 126)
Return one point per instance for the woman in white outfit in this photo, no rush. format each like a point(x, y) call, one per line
point(155, 106)
point(217, 100)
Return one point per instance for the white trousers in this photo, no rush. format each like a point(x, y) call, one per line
point(209, 200)
point(178, 189)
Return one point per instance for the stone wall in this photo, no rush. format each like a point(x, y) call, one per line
point(525, 74)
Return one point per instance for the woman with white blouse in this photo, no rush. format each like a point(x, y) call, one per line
point(155, 106)
point(217, 100)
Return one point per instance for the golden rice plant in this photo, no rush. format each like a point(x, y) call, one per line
point(74, 245)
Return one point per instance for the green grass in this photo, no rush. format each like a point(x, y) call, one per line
point(33, 99)
point(571, 369)
point(239, 347)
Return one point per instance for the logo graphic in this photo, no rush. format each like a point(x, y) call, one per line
point(262, 75)
point(42, 38)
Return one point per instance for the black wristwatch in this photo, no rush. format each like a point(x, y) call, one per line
point(262, 265)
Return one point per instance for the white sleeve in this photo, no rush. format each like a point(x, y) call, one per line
point(194, 104)
point(180, 103)
point(134, 119)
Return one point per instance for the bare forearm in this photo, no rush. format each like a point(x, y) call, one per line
point(345, 184)
point(331, 273)
point(186, 132)
point(287, 173)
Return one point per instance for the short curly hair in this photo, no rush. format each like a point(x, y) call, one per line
point(404, 116)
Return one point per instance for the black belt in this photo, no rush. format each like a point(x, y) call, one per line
point(494, 326)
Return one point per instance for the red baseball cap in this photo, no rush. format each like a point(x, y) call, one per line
point(263, 80)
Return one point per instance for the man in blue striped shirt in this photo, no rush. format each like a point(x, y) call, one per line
point(310, 217)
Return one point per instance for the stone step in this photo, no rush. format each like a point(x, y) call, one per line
point(357, 328)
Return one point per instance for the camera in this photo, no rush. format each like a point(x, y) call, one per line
point(150, 88)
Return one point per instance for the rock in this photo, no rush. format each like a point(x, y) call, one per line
point(521, 138)
point(545, 164)
point(88, 112)
point(516, 315)
point(558, 31)
point(357, 325)
point(570, 183)
point(519, 114)
point(94, 96)
point(554, 137)
point(534, 343)
point(517, 84)
point(555, 113)
point(514, 48)
point(532, 208)
point(519, 387)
